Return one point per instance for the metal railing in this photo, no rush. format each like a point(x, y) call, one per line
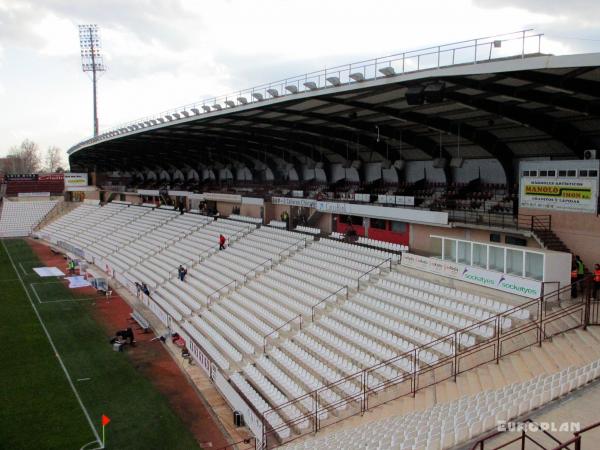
point(523, 438)
point(471, 51)
point(266, 336)
point(389, 260)
point(313, 307)
point(541, 222)
point(544, 323)
point(216, 291)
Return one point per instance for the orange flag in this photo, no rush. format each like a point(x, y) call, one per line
point(105, 420)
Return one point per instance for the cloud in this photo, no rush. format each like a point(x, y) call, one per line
point(584, 11)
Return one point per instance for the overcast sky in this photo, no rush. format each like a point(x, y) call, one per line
point(165, 53)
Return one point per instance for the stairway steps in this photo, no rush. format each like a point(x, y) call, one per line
point(567, 351)
point(474, 383)
point(554, 353)
point(528, 368)
point(546, 362)
point(581, 346)
point(497, 375)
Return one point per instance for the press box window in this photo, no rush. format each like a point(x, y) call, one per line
point(562, 173)
point(583, 173)
point(533, 173)
point(526, 173)
point(571, 173)
point(378, 223)
point(593, 173)
point(495, 237)
point(552, 173)
point(543, 173)
point(515, 240)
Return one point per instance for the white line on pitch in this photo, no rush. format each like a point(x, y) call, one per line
point(62, 364)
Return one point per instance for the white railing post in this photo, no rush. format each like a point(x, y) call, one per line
point(523, 46)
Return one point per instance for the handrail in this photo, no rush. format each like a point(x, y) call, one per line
point(405, 62)
point(576, 439)
point(279, 328)
point(312, 308)
point(454, 337)
point(209, 296)
point(294, 244)
point(372, 269)
point(256, 267)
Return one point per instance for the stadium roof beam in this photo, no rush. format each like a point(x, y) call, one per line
point(483, 138)
point(568, 82)
point(531, 94)
point(562, 131)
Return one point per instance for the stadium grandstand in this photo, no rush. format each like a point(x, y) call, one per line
point(399, 263)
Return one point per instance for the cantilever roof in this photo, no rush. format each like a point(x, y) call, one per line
point(540, 105)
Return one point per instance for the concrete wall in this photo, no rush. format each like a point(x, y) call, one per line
point(579, 231)
point(250, 210)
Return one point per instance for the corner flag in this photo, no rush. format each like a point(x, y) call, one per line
point(105, 421)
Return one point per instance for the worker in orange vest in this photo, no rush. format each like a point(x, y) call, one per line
point(596, 280)
point(573, 280)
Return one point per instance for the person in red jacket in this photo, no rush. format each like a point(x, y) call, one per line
point(221, 242)
point(596, 280)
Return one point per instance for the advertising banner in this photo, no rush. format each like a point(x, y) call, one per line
point(494, 280)
point(303, 202)
point(21, 177)
point(560, 194)
point(76, 179)
point(51, 177)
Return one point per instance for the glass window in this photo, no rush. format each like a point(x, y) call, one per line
point(515, 240)
point(496, 258)
point(593, 173)
point(562, 173)
point(533, 173)
point(480, 255)
point(464, 252)
point(514, 262)
point(552, 173)
point(526, 173)
point(450, 250)
point(534, 265)
point(571, 173)
point(543, 173)
point(583, 173)
point(399, 227)
point(436, 247)
point(378, 223)
point(494, 237)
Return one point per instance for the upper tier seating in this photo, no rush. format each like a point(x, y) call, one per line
point(20, 218)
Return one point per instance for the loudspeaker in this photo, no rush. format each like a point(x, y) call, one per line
point(440, 163)
point(399, 164)
point(457, 162)
point(414, 95)
point(590, 154)
point(434, 93)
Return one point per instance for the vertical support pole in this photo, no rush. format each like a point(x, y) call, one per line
point(523, 46)
point(455, 355)
point(438, 59)
point(475, 53)
point(498, 331)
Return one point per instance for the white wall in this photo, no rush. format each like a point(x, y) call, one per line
point(414, 171)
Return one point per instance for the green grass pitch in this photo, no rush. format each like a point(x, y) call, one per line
point(39, 408)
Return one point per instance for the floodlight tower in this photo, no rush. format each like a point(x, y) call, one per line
point(91, 59)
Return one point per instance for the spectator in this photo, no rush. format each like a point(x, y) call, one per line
point(573, 280)
point(180, 207)
point(182, 271)
point(221, 242)
point(138, 289)
point(580, 268)
point(145, 290)
point(596, 281)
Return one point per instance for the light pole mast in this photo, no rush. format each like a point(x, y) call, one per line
point(91, 60)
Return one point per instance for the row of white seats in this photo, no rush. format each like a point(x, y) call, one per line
point(373, 242)
point(255, 220)
point(447, 425)
point(21, 217)
point(309, 230)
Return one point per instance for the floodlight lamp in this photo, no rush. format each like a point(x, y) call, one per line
point(387, 71)
point(206, 108)
point(242, 100)
point(273, 92)
point(292, 88)
point(217, 107)
point(229, 103)
point(357, 76)
point(195, 111)
point(258, 96)
point(311, 85)
point(334, 81)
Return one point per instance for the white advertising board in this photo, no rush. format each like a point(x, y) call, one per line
point(495, 280)
point(559, 194)
point(303, 202)
point(147, 192)
point(76, 179)
point(253, 201)
point(218, 197)
point(385, 212)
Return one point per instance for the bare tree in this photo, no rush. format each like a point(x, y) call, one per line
point(23, 159)
point(54, 159)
